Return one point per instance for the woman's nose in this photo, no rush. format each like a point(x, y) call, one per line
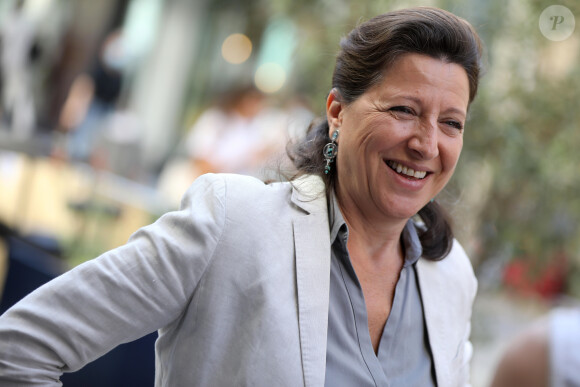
point(424, 142)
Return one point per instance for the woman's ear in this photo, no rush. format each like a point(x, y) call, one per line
point(334, 109)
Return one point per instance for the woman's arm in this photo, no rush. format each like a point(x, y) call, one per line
point(116, 298)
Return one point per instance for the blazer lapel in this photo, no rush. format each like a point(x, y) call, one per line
point(442, 324)
point(312, 243)
point(437, 324)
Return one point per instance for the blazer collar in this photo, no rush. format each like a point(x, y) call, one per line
point(309, 194)
point(312, 243)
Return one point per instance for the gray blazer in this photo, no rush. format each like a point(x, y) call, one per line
point(236, 282)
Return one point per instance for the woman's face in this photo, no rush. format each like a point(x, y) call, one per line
point(399, 142)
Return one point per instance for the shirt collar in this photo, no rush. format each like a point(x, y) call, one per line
point(410, 236)
point(412, 243)
point(335, 219)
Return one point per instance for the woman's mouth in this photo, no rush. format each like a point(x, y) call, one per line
point(406, 171)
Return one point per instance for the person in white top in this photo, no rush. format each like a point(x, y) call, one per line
point(237, 135)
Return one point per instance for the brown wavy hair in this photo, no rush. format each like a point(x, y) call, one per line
point(365, 55)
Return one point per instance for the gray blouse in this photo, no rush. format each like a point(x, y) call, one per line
point(404, 356)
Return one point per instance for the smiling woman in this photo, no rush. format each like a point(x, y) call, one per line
point(413, 118)
point(402, 85)
point(346, 275)
point(368, 56)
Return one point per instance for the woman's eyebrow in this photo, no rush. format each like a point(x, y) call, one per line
point(455, 110)
point(419, 102)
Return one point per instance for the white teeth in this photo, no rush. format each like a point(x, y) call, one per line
point(406, 171)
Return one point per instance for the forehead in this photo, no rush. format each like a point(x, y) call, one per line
point(416, 73)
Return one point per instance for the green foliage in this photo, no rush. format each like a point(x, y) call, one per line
point(525, 124)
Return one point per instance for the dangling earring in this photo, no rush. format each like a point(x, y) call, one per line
point(329, 152)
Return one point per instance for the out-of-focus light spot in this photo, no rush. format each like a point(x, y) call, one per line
point(140, 28)
point(274, 64)
point(38, 8)
point(270, 77)
point(236, 48)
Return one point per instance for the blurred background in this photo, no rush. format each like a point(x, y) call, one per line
point(110, 108)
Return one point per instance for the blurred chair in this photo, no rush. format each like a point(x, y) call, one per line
point(30, 265)
point(3, 258)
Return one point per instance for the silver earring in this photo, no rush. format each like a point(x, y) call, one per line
point(330, 150)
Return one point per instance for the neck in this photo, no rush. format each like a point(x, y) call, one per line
point(371, 238)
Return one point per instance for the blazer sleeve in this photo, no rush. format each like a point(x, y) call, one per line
point(118, 297)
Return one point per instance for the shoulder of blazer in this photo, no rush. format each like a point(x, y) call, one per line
point(307, 192)
point(452, 274)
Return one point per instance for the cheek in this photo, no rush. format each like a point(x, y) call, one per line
point(451, 154)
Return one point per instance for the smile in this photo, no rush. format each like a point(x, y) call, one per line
point(403, 170)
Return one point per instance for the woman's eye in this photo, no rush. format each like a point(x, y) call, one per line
point(455, 124)
point(403, 109)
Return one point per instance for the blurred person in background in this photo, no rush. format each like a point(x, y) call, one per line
point(93, 99)
point(18, 50)
point(346, 275)
point(119, 147)
point(545, 354)
point(237, 135)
